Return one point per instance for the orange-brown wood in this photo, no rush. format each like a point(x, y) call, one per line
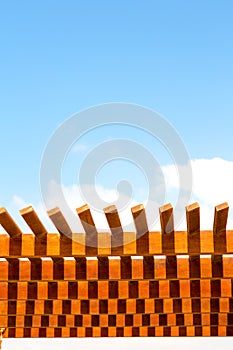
point(69, 269)
point(114, 267)
point(137, 267)
point(64, 229)
point(142, 231)
point(9, 224)
point(33, 221)
point(24, 269)
point(13, 230)
point(115, 226)
point(88, 224)
point(4, 268)
point(40, 232)
point(167, 229)
point(28, 245)
point(180, 284)
point(160, 267)
point(104, 243)
point(92, 268)
point(219, 227)
point(47, 269)
point(183, 266)
point(193, 228)
point(130, 247)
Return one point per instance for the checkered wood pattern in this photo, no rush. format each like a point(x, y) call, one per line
point(140, 283)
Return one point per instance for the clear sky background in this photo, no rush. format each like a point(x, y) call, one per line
point(59, 57)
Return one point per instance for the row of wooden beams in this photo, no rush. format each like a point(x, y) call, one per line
point(105, 307)
point(141, 242)
point(125, 289)
point(116, 268)
point(122, 320)
point(55, 245)
point(143, 331)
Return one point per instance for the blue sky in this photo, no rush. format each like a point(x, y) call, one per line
point(59, 57)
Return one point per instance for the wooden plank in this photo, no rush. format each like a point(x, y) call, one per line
point(115, 226)
point(24, 269)
point(4, 268)
point(87, 307)
point(229, 238)
point(142, 231)
point(228, 265)
point(60, 222)
point(78, 244)
point(205, 266)
point(28, 245)
point(130, 247)
point(167, 229)
point(137, 267)
point(104, 243)
point(159, 267)
point(58, 268)
point(27, 248)
point(13, 230)
point(88, 224)
point(9, 224)
point(69, 269)
point(40, 232)
point(193, 228)
point(4, 244)
point(33, 221)
point(155, 243)
point(182, 266)
point(64, 229)
point(206, 242)
point(43, 290)
point(92, 268)
point(13, 269)
point(137, 330)
point(181, 242)
point(53, 244)
point(219, 227)
point(114, 267)
point(47, 269)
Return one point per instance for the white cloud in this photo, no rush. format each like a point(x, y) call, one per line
point(212, 185)
point(19, 202)
point(79, 148)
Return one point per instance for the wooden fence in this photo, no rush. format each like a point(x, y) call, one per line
point(116, 283)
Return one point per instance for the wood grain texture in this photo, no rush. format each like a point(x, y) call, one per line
point(88, 224)
point(219, 228)
point(119, 331)
point(142, 231)
point(64, 230)
point(168, 283)
point(9, 224)
point(116, 229)
point(33, 221)
point(167, 228)
point(40, 232)
point(193, 228)
point(28, 245)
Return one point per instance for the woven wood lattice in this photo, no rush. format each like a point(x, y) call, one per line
point(166, 283)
